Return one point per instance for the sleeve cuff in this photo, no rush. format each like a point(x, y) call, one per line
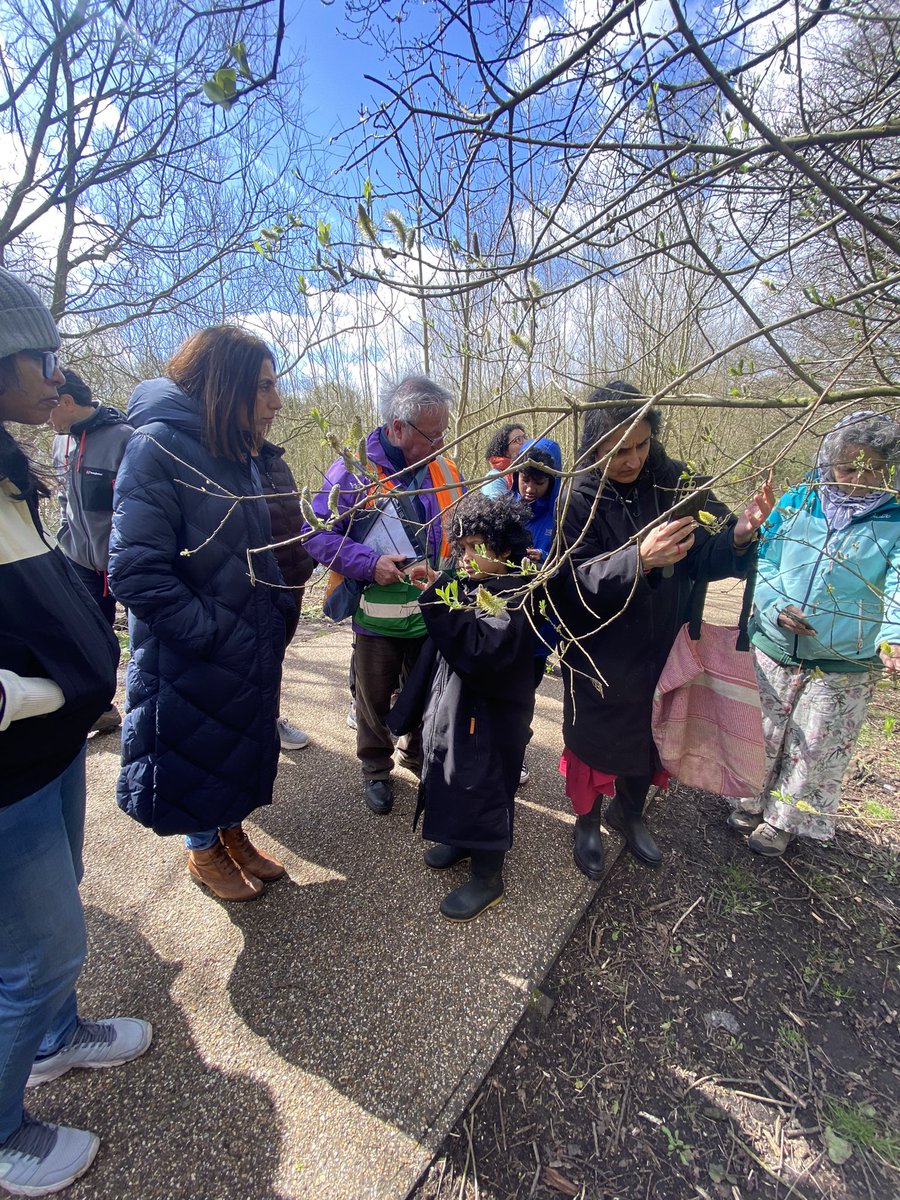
point(23, 696)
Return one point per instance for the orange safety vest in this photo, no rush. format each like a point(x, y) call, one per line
point(445, 479)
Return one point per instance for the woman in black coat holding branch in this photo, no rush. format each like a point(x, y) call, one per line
point(622, 596)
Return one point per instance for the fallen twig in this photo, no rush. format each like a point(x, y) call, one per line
point(761, 1163)
point(684, 915)
point(817, 895)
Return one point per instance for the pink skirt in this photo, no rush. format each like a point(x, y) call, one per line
point(584, 784)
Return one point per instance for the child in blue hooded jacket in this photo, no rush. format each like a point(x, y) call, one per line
point(538, 490)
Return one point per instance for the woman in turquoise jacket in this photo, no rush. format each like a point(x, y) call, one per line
point(827, 617)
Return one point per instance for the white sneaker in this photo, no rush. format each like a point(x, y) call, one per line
point(351, 715)
point(291, 737)
point(95, 1044)
point(40, 1159)
point(524, 774)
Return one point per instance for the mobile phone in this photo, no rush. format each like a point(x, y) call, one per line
point(690, 505)
point(406, 564)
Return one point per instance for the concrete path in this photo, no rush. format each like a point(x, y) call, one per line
point(321, 1041)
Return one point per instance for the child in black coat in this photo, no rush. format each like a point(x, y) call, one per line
point(473, 689)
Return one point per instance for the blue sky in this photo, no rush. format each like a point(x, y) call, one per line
point(333, 65)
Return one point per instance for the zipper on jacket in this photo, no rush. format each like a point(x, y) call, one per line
point(809, 586)
point(76, 483)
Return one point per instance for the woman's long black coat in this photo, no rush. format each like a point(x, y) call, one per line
point(473, 690)
point(625, 620)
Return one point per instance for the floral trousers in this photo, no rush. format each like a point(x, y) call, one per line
point(811, 721)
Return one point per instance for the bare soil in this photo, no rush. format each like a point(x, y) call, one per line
point(722, 1028)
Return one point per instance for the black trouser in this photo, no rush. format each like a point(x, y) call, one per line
point(382, 665)
point(96, 584)
point(631, 792)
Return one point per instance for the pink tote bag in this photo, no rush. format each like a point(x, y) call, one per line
point(707, 721)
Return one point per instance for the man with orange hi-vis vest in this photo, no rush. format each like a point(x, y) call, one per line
point(410, 477)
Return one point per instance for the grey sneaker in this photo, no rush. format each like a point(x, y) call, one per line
point(40, 1159)
point(96, 1044)
point(351, 715)
point(290, 736)
point(744, 822)
point(107, 721)
point(768, 841)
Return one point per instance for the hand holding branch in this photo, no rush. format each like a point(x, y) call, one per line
point(889, 653)
point(754, 515)
point(422, 576)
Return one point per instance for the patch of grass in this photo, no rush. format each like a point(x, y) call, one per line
point(859, 1124)
point(821, 882)
point(790, 1039)
point(819, 968)
point(124, 644)
point(867, 736)
point(737, 890)
point(880, 812)
point(837, 991)
point(890, 870)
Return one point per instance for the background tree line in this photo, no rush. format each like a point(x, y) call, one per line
point(543, 196)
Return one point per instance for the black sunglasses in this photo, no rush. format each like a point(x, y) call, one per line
point(48, 359)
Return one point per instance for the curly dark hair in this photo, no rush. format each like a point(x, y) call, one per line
point(625, 402)
point(498, 446)
point(502, 523)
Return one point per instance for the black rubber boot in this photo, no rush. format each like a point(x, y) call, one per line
point(589, 843)
point(483, 889)
point(439, 857)
point(625, 814)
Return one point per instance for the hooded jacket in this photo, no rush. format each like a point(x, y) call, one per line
point(86, 460)
point(199, 743)
point(472, 688)
point(846, 582)
point(50, 628)
point(626, 620)
point(543, 511)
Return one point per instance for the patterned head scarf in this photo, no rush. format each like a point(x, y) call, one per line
point(875, 432)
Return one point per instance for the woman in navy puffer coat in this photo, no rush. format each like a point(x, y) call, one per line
point(199, 744)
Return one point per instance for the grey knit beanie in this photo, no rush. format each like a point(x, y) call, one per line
point(25, 321)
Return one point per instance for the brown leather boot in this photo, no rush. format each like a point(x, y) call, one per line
point(245, 855)
point(216, 870)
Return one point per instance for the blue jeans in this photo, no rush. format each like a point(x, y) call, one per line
point(205, 840)
point(42, 935)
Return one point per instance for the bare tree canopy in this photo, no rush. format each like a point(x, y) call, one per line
point(130, 191)
point(704, 203)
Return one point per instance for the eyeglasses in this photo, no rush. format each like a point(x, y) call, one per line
point(432, 441)
point(48, 359)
